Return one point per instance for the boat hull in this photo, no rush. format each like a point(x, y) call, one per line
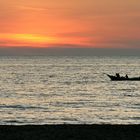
point(114, 78)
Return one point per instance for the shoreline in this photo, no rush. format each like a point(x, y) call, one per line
point(70, 132)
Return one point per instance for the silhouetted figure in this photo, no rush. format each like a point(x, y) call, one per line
point(126, 76)
point(117, 75)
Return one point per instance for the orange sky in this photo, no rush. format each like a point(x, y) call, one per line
point(95, 23)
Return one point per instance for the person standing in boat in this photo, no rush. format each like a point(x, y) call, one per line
point(117, 75)
point(126, 76)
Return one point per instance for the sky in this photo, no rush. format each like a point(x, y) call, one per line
point(74, 23)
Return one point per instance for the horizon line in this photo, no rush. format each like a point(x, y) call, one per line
point(66, 47)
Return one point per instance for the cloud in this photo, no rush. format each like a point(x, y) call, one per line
point(29, 8)
point(77, 34)
point(3, 42)
point(117, 42)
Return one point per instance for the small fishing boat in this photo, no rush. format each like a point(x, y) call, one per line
point(121, 78)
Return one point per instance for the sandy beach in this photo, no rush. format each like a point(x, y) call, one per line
point(70, 132)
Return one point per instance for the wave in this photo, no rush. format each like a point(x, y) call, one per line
point(23, 107)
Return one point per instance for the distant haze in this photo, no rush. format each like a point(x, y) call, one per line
point(69, 51)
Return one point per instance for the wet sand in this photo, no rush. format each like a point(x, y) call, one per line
point(70, 132)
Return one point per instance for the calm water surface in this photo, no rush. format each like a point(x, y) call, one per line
point(73, 90)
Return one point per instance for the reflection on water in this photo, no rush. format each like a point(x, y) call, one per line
point(55, 90)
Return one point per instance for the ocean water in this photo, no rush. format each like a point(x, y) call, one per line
point(68, 90)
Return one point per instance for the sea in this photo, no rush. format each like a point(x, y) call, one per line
point(68, 90)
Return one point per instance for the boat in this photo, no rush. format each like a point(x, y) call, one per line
point(121, 78)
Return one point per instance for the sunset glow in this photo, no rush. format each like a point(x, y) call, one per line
point(43, 23)
point(26, 39)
